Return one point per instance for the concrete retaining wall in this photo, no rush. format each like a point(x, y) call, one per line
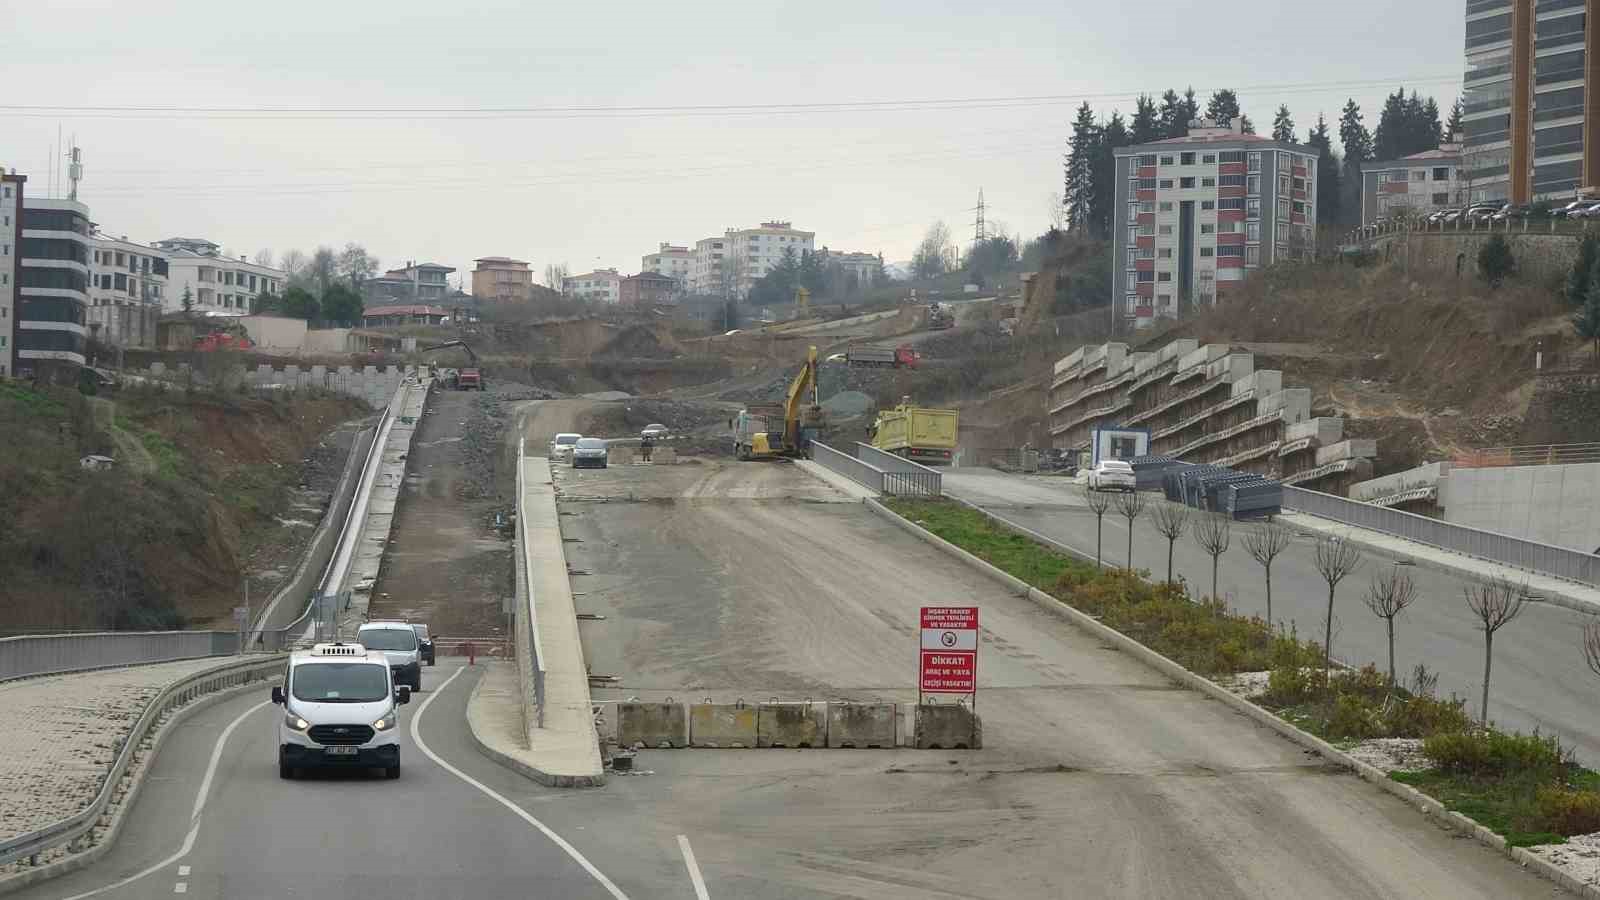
point(1539, 256)
point(1557, 505)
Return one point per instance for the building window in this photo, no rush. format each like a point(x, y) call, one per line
point(1147, 253)
point(1163, 276)
point(1146, 276)
point(1231, 156)
point(1252, 256)
point(1300, 184)
point(1227, 228)
point(1230, 250)
point(1231, 203)
point(1419, 175)
point(1284, 161)
point(1299, 207)
point(1133, 254)
point(1166, 206)
point(1186, 159)
point(1148, 184)
point(1441, 199)
point(1212, 182)
point(1147, 159)
point(1252, 184)
point(1164, 253)
point(1205, 251)
point(1166, 184)
point(1252, 231)
point(1166, 160)
point(1207, 228)
point(1208, 204)
point(1147, 230)
point(1133, 211)
point(1283, 208)
point(1252, 161)
point(1441, 173)
point(1233, 180)
point(1252, 208)
point(1209, 158)
point(1165, 230)
point(1147, 206)
point(1186, 182)
point(1283, 184)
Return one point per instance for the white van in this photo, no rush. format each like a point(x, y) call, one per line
point(399, 643)
point(340, 709)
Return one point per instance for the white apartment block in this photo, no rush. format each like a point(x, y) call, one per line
point(753, 252)
point(214, 282)
point(1420, 184)
point(604, 285)
point(705, 266)
point(862, 265)
point(125, 273)
point(672, 261)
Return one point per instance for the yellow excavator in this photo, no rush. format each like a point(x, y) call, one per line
point(782, 430)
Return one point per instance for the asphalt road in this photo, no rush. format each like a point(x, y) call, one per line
point(1539, 676)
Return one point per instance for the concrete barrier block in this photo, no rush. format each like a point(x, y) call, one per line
point(792, 725)
point(722, 725)
point(861, 725)
point(660, 726)
point(619, 456)
point(947, 727)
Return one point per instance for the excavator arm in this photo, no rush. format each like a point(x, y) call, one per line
point(448, 344)
point(794, 407)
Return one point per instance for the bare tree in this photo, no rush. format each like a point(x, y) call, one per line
point(264, 257)
point(1172, 520)
point(931, 258)
point(1496, 602)
point(1214, 533)
point(1098, 502)
point(294, 262)
point(1388, 597)
point(1264, 543)
point(322, 269)
point(356, 264)
point(1058, 212)
point(1130, 505)
point(1591, 645)
point(1336, 559)
point(555, 276)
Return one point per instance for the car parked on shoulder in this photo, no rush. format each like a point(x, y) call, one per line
point(589, 453)
point(1112, 475)
point(398, 643)
point(561, 445)
point(655, 431)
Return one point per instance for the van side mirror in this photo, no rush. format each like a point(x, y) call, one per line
point(402, 695)
point(277, 695)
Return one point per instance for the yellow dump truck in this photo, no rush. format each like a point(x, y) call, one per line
point(924, 435)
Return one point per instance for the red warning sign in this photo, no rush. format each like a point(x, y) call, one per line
point(949, 655)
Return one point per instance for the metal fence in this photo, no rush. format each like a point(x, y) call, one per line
point(1520, 553)
point(843, 463)
point(48, 654)
point(1535, 455)
point(901, 476)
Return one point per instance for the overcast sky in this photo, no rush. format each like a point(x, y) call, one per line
point(407, 164)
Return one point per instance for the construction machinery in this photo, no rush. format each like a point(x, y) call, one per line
point(464, 379)
point(916, 433)
point(882, 356)
point(940, 317)
point(786, 430)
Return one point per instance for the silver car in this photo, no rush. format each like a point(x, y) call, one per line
point(561, 446)
point(589, 453)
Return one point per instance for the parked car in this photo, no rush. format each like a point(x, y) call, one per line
point(1562, 212)
point(589, 453)
point(1481, 213)
point(1511, 211)
point(1586, 211)
point(424, 642)
point(399, 644)
point(655, 431)
point(1112, 475)
point(561, 446)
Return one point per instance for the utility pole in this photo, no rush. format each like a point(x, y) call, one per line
point(978, 227)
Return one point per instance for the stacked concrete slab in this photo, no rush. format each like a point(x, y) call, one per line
point(1203, 404)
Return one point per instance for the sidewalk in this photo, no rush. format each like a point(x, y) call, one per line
point(387, 483)
point(1557, 591)
point(62, 734)
point(565, 751)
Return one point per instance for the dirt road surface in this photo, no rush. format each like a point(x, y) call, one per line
point(1098, 778)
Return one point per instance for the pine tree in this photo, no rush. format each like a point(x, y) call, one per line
point(1146, 124)
point(1496, 263)
point(1223, 107)
point(1357, 144)
point(1078, 191)
point(1191, 109)
point(1328, 199)
point(1432, 130)
point(1389, 138)
point(1245, 125)
point(1586, 323)
point(1173, 124)
point(1577, 289)
point(1454, 125)
point(1283, 126)
point(1103, 192)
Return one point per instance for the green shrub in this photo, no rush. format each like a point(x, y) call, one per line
point(1497, 754)
point(1566, 811)
point(1421, 717)
point(1353, 719)
point(1292, 685)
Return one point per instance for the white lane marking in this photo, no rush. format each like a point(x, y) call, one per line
point(694, 868)
point(416, 738)
point(181, 887)
point(183, 871)
point(194, 819)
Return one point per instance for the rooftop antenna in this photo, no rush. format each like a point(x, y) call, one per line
point(75, 168)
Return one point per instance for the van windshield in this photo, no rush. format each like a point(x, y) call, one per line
point(339, 682)
point(566, 439)
point(388, 639)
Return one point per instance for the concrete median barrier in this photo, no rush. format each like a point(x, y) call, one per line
point(861, 725)
point(722, 725)
point(947, 727)
point(792, 725)
point(659, 726)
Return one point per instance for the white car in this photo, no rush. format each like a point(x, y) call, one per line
point(655, 431)
point(590, 453)
point(398, 643)
point(1112, 475)
point(561, 446)
point(340, 709)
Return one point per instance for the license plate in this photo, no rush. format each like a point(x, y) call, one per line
point(341, 751)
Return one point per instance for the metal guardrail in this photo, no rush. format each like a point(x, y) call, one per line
point(902, 477)
point(1532, 455)
point(843, 463)
point(1533, 556)
point(68, 830)
point(28, 656)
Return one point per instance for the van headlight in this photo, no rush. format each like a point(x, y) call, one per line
point(294, 722)
point(385, 723)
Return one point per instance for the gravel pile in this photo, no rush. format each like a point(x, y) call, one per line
point(1392, 754)
point(1579, 856)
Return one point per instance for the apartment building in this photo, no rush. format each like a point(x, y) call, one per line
point(647, 289)
point(672, 261)
point(1418, 184)
point(1532, 131)
point(11, 191)
point(706, 268)
point(212, 282)
point(52, 276)
point(412, 283)
point(753, 252)
point(604, 285)
point(1195, 214)
point(502, 278)
point(1204, 404)
point(127, 287)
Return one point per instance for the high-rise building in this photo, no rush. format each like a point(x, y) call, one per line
point(706, 268)
point(1531, 130)
point(753, 252)
point(1195, 214)
point(11, 189)
point(51, 333)
point(672, 261)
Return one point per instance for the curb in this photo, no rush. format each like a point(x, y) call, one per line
point(88, 857)
point(1429, 807)
point(521, 767)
